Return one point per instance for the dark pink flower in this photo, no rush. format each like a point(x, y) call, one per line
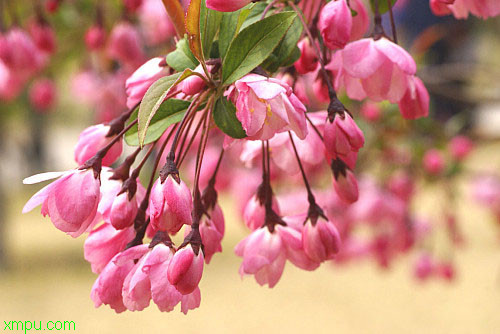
point(335, 24)
point(415, 102)
point(185, 270)
point(42, 94)
point(308, 60)
point(227, 6)
point(91, 140)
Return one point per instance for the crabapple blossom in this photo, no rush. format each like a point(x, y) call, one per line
point(267, 106)
point(460, 147)
point(227, 6)
point(71, 201)
point(433, 162)
point(95, 38)
point(171, 205)
point(125, 45)
point(335, 24)
point(185, 270)
point(308, 60)
point(321, 240)
point(94, 138)
point(42, 94)
point(342, 136)
point(140, 81)
point(415, 102)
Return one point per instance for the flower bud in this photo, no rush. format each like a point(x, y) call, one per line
point(170, 205)
point(227, 6)
point(95, 38)
point(185, 270)
point(460, 147)
point(342, 136)
point(335, 24)
point(91, 140)
point(193, 84)
point(123, 211)
point(42, 94)
point(321, 241)
point(346, 186)
point(415, 102)
point(308, 60)
point(140, 81)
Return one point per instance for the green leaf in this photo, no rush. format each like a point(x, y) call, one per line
point(151, 102)
point(285, 47)
point(232, 22)
point(170, 112)
point(193, 28)
point(253, 45)
point(226, 120)
point(382, 5)
point(209, 25)
point(182, 57)
point(292, 57)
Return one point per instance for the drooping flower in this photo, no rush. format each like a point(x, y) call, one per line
point(91, 140)
point(71, 201)
point(140, 81)
point(308, 60)
point(185, 270)
point(170, 205)
point(266, 106)
point(415, 102)
point(342, 137)
point(321, 241)
point(264, 256)
point(375, 69)
point(335, 24)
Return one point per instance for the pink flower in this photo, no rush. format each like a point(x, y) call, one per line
point(91, 140)
point(103, 243)
point(335, 24)
point(212, 232)
point(140, 81)
point(227, 6)
point(170, 205)
point(486, 191)
point(361, 21)
point(155, 22)
point(107, 288)
point(264, 256)
point(460, 147)
point(415, 102)
point(42, 94)
point(185, 270)
point(291, 236)
point(95, 38)
point(123, 211)
point(125, 45)
point(254, 214)
point(377, 69)
point(70, 201)
point(43, 36)
point(402, 185)
point(321, 241)
point(193, 84)
point(440, 7)
point(433, 162)
point(461, 8)
point(308, 60)
point(266, 106)
point(342, 136)
point(346, 186)
point(10, 85)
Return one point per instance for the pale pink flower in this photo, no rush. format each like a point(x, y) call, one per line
point(486, 191)
point(107, 288)
point(308, 60)
point(433, 162)
point(103, 243)
point(266, 106)
point(346, 186)
point(291, 236)
point(170, 205)
point(335, 24)
point(342, 137)
point(415, 102)
point(321, 241)
point(375, 69)
point(91, 140)
point(42, 94)
point(264, 256)
point(185, 270)
point(140, 81)
point(71, 201)
point(123, 211)
point(212, 231)
point(227, 6)
point(254, 214)
point(125, 46)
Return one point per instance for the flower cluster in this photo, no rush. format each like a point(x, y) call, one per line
point(212, 119)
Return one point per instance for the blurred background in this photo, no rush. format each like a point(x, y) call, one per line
point(43, 275)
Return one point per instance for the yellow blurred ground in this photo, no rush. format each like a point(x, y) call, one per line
point(49, 280)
